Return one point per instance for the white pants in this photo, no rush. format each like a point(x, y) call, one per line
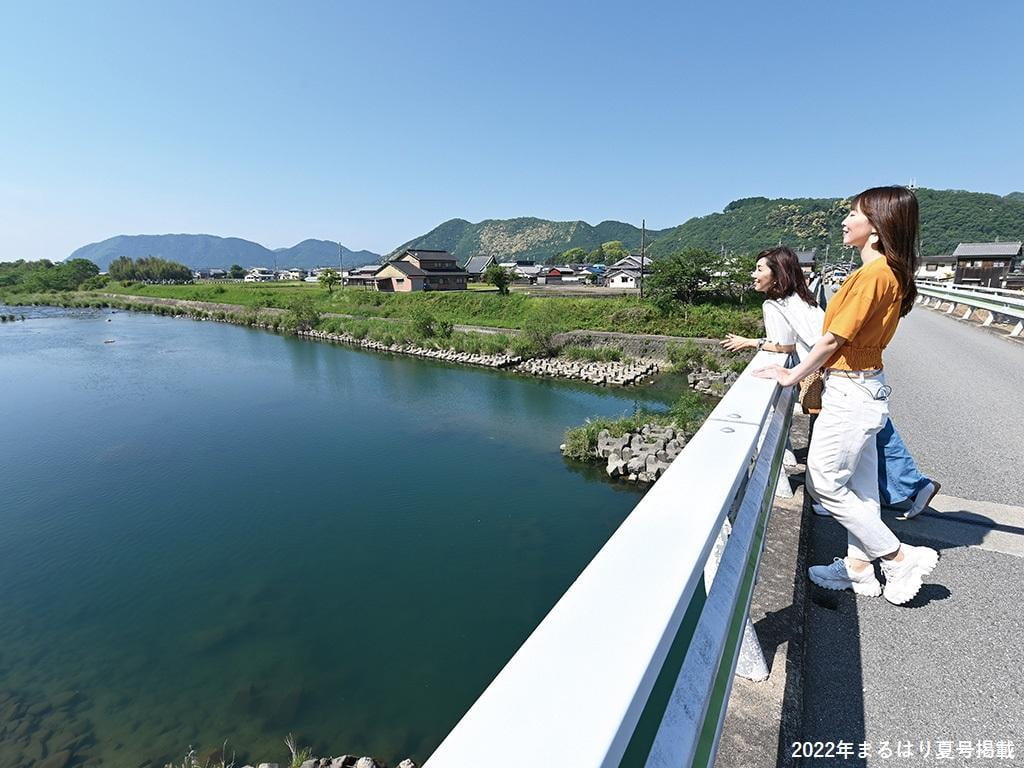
point(842, 462)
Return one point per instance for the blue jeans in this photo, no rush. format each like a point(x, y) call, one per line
point(898, 477)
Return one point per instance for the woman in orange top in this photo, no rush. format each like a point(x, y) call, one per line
point(842, 463)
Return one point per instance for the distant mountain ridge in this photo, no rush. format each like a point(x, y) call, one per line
point(747, 225)
point(206, 251)
point(524, 237)
point(948, 217)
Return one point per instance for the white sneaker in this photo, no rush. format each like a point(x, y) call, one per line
point(819, 509)
point(903, 578)
point(922, 499)
point(836, 576)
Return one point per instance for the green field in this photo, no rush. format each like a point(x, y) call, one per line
point(624, 314)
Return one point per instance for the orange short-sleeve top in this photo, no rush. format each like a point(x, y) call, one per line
point(865, 312)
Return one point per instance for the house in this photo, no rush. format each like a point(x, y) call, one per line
point(626, 272)
point(421, 270)
point(936, 268)
point(260, 275)
point(476, 267)
point(364, 276)
point(986, 264)
point(291, 274)
point(527, 273)
point(806, 259)
point(210, 274)
point(622, 278)
point(550, 275)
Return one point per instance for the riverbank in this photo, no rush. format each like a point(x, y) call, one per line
point(709, 319)
point(598, 358)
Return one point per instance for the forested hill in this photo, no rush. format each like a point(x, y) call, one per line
point(531, 238)
point(948, 217)
point(205, 251)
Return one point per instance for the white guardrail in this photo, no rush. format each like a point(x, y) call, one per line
point(998, 300)
point(634, 664)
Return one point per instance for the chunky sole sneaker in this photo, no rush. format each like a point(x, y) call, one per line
point(903, 579)
point(836, 576)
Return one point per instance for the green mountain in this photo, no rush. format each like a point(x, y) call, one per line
point(206, 251)
point(948, 217)
point(530, 238)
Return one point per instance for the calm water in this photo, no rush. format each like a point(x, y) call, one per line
point(214, 533)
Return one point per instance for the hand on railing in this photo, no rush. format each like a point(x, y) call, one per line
point(785, 376)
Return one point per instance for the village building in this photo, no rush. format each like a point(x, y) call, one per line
point(210, 274)
point(260, 275)
point(626, 272)
point(550, 275)
point(807, 260)
point(527, 273)
point(421, 270)
point(936, 267)
point(476, 267)
point(361, 276)
point(987, 264)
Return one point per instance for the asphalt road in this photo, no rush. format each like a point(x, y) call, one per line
point(946, 666)
point(958, 402)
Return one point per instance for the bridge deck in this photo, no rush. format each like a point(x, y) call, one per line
point(946, 667)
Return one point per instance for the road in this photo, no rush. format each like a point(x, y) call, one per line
point(958, 402)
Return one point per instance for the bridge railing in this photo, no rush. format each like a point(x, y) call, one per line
point(634, 664)
point(995, 300)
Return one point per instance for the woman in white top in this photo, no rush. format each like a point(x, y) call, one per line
point(793, 322)
point(792, 318)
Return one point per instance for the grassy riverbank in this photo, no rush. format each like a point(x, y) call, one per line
point(624, 314)
point(686, 415)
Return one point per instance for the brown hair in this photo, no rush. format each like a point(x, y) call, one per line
point(789, 278)
point(893, 213)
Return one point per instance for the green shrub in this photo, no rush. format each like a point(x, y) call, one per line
point(688, 354)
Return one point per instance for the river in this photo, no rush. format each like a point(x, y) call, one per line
point(209, 532)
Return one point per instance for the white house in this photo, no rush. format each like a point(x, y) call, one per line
point(623, 278)
point(260, 275)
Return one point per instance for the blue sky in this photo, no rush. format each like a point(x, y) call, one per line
point(371, 123)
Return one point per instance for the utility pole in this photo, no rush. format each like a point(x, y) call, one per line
point(643, 247)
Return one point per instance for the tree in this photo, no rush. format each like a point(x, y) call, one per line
point(682, 276)
point(573, 256)
point(499, 277)
point(597, 256)
point(613, 250)
point(329, 278)
point(302, 313)
point(237, 271)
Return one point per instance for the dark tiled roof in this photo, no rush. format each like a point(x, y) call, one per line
point(806, 258)
point(976, 250)
point(478, 264)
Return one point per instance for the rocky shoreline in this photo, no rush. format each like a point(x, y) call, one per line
point(641, 456)
point(599, 373)
point(344, 761)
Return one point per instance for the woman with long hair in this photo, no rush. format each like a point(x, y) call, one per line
point(842, 463)
point(793, 323)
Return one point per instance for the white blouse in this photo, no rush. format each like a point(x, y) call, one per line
point(793, 321)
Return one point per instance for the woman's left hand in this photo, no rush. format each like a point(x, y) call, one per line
point(734, 343)
point(784, 376)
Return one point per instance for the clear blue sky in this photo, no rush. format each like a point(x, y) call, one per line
point(372, 122)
